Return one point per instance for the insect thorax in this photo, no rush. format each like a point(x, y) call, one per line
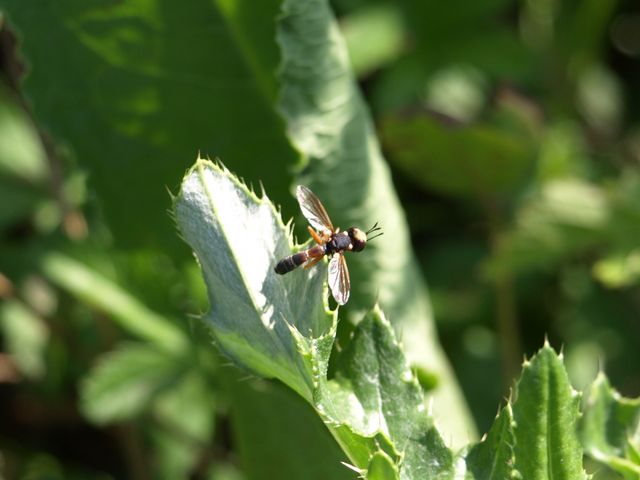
point(338, 243)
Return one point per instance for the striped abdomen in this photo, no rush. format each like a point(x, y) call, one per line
point(294, 261)
point(291, 262)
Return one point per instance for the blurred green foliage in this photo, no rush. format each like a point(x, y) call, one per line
point(513, 133)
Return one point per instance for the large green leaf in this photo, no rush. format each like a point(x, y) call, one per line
point(546, 413)
point(238, 238)
point(130, 87)
point(278, 327)
point(330, 124)
point(610, 428)
point(475, 161)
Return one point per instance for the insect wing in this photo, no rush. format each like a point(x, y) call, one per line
point(339, 278)
point(313, 210)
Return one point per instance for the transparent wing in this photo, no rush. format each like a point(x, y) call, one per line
point(339, 278)
point(313, 210)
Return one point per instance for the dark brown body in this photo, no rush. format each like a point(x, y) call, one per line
point(338, 243)
point(292, 262)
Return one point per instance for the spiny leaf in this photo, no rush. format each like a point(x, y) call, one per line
point(278, 327)
point(375, 394)
point(492, 458)
point(546, 413)
point(238, 238)
point(610, 427)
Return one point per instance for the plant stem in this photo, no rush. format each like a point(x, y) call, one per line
point(509, 333)
point(506, 310)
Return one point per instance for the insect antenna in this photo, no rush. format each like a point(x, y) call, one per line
point(373, 229)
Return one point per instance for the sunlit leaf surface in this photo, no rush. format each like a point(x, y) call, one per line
point(277, 326)
point(546, 413)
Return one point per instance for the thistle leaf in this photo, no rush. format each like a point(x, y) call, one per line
point(493, 457)
point(238, 237)
point(546, 413)
point(278, 326)
point(610, 428)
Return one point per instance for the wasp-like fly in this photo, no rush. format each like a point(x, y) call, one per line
point(330, 241)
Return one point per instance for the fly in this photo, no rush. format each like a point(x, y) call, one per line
point(329, 241)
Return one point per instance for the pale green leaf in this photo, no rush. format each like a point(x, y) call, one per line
point(23, 163)
point(21, 152)
point(618, 269)
point(238, 238)
point(330, 125)
point(25, 337)
point(278, 327)
point(374, 35)
point(125, 381)
point(98, 291)
point(610, 428)
point(192, 394)
point(546, 413)
point(224, 471)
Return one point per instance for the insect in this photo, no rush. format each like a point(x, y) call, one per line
point(330, 241)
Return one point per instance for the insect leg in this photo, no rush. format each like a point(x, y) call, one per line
point(311, 263)
point(315, 236)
